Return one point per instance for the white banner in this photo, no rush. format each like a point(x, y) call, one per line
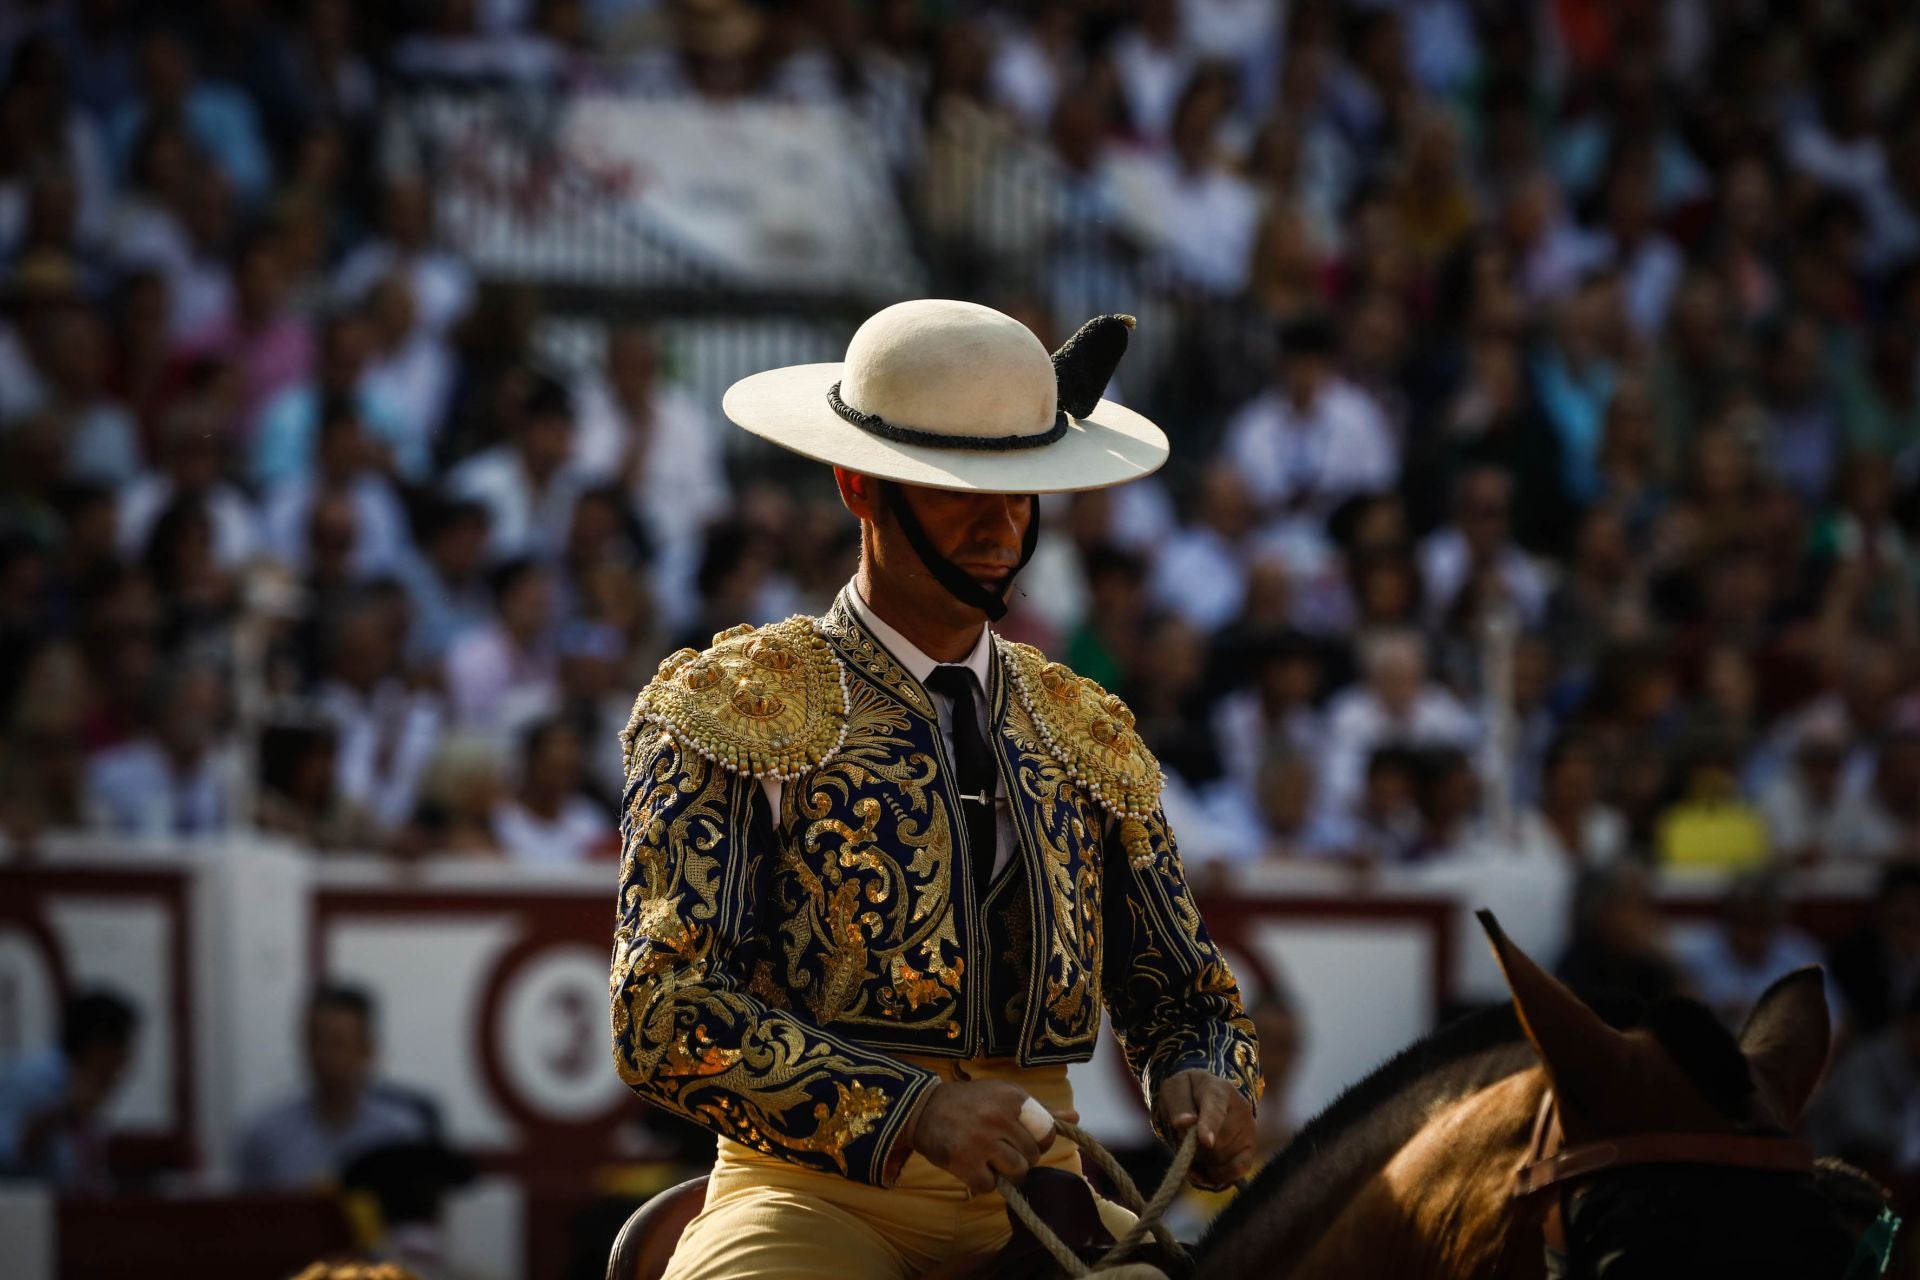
point(617, 191)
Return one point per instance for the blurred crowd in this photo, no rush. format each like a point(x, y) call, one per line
point(1544, 381)
point(1546, 385)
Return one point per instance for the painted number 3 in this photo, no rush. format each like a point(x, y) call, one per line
point(553, 1033)
point(577, 1050)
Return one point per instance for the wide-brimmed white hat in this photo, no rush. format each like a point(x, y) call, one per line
point(953, 395)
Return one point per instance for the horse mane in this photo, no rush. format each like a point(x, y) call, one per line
point(1350, 1140)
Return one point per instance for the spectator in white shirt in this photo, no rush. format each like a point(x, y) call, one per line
point(343, 465)
point(1312, 439)
point(442, 283)
point(1882, 820)
point(594, 697)
point(1207, 213)
point(1553, 252)
point(1280, 817)
point(74, 148)
point(1201, 570)
point(175, 781)
point(1839, 146)
point(528, 485)
point(550, 819)
point(1649, 263)
point(1032, 60)
point(333, 80)
point(1869, 1110)
point(1384, 820)
point(410, 368)
point(387, 731)
point(446, 580)
point(1395, 705)
point(1296, 824)
point(1276, 712)
point(1089, 256)
point(42, 282)
point(1154, 62)
point(1804, 803)
point(175, 218)
point(303, 1143)
point(103, 445)
point(502, 673)
point(193, 453)
point(656, 441)
point(1480, 537)
point(1571, 824)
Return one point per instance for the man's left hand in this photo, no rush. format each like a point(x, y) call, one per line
point(1196, 1097)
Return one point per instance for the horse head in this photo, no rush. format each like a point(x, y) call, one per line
point(1665, 1149)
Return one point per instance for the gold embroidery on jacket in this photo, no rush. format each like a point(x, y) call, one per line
point(763, 701)
point(1062, 812)
point(867, 924)
point(683, 1036)
point(1088, 730)
point(858, 646)
point(1175, 970)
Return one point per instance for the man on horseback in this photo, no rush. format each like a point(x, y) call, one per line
point(883, 868)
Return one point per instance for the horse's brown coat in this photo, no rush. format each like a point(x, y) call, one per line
point(1441, 1207)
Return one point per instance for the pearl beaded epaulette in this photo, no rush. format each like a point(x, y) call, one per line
point(1122, 798)
point(746, 763)
point(781, 757)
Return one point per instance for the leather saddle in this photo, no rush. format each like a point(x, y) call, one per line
point(1063, 1200)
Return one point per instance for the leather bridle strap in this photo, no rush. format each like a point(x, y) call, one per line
point(1732, 1151)
point(1550, 1163)
point(1546, 1168)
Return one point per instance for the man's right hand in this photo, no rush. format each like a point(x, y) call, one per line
point(972, 1129)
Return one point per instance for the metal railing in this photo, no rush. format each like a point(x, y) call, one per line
point(992, 215)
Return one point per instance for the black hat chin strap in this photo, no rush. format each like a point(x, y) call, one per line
point(959, 584)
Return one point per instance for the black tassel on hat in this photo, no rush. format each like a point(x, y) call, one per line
point(1084, 364)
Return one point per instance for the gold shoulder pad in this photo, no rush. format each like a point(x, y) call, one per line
point(765, 702)
point(1089, 731)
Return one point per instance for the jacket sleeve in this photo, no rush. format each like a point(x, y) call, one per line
point(1174, 1002)
point(699, 1028)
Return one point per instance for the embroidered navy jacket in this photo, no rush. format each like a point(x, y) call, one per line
point(767, 968)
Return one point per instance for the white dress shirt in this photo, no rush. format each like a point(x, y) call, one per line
point(920, 666)
point(1446, 561)
point(681, 486)
point(386, 736)
point(524, 522)
point(1358, 723)
point(380, 536)
point(236, 532)
point(1316, 457)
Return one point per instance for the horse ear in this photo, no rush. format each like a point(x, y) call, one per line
point(1586, 1059)
point(1786, 1041)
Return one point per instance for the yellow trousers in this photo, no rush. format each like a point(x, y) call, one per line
point(767, 1219)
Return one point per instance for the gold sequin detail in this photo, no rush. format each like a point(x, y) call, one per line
point(1089, 730)
point(763, 701)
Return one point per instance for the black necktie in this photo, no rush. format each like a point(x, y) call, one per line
point(973, 767)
